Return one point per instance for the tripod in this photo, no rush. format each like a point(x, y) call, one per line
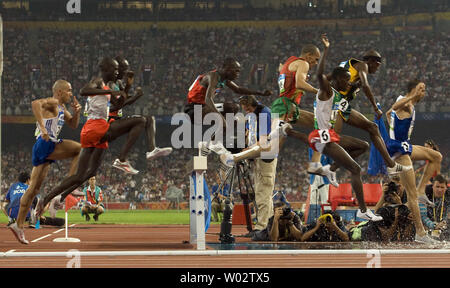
point(242, 171)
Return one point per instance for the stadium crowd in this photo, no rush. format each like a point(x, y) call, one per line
point(74, 54)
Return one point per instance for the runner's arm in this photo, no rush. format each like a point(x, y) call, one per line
point(363, 70)
point(138, 94)
point(209, 102)
point(37, 106)
point(94, 88)
point(245, 91)
point(300, 78)
point(73, 120)
point(324, 84)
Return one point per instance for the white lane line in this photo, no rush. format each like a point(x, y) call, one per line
point(45, 236)
point(40, 238)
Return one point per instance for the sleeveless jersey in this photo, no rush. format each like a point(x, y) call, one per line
point(97, 107)
point(197, 92)
point(117, 113)
point(354, 75)
point(53, 125)
point(286, 82)
point(325, 112)
point(401, 130)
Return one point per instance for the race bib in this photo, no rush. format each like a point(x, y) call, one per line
point(324, 136)
point(343, 105)
point(405, 146)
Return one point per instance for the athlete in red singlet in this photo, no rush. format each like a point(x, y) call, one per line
point(208, 85)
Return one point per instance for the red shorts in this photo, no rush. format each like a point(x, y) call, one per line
point(317, 141)
point(93, 130)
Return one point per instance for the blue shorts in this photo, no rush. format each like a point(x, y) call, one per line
point(397, 148)
point(41, 150)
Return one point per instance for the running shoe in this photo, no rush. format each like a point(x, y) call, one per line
point(331, 175)
point(315, 168)
point(398, 169)
point(18, 233)
point(426, 239)
point(368, 215)
point(125, 166)
point(158, 152)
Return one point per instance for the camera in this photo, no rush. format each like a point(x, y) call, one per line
point(328, 217)
point(392, 188)
point(286, 213)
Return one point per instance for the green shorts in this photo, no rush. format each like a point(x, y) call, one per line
point(283, 106)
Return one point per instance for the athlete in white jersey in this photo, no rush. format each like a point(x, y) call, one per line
point(324, 139)
point(401, 124)
point(51, 115)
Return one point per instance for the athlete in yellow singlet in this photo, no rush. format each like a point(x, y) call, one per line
point(359, 69)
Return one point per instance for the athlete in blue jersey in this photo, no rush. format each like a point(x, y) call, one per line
point(401, 123)
point(51, 114)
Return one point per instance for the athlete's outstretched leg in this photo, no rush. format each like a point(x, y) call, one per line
point(150, 132)
point(133, 126)
point(433, 166)
point(342, 158)
point(408, 180)
point(358, 120)
point(89, 161)
point(355, 147)
point(38, 175)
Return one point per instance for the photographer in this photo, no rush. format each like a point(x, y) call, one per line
point(397, 224)
point(258, 126)
point(435, 218)
point(284, 225)
point(327, 228)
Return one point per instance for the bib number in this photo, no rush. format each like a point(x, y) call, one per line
point(343, 105)
point(324, 136)
point(405, 146)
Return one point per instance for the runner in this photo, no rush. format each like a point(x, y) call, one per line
point(135, 123)
point(359, 70)
point(94, 132)
point(51, 114)
point(401, 124)
point(206, 87)
point(324, 138)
